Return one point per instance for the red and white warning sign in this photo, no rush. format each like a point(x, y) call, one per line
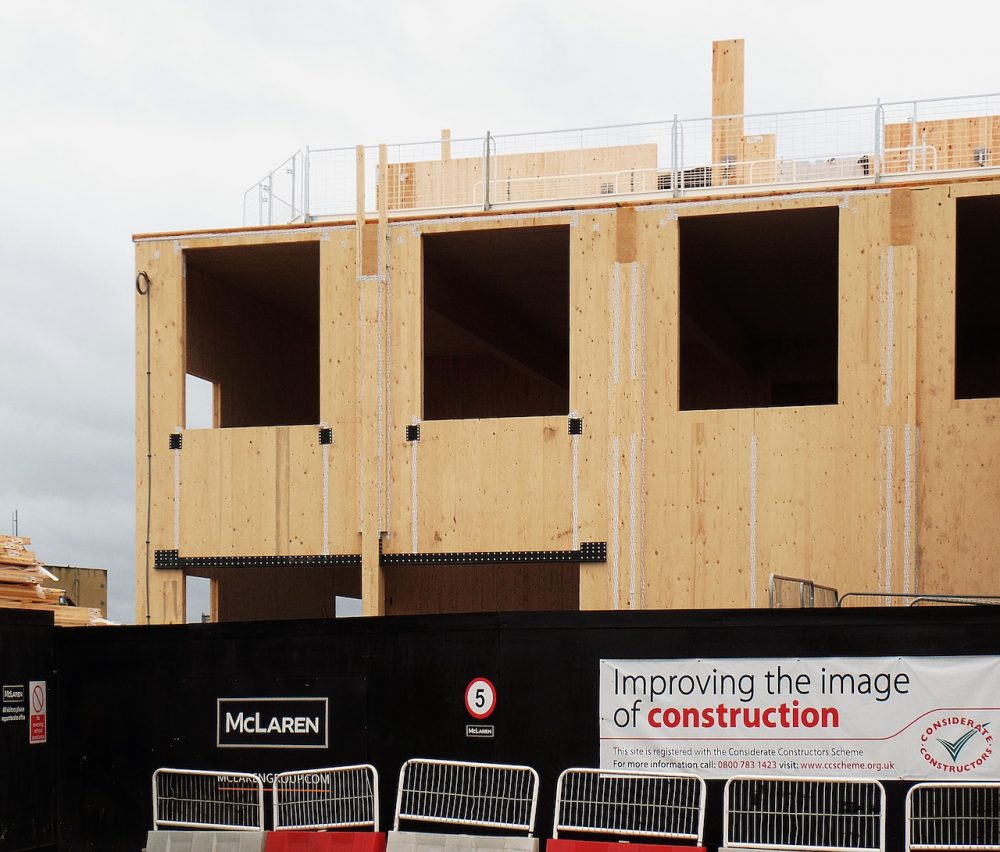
point(480, 698)
point(39, 706)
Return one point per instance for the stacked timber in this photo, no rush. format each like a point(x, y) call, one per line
point(25, 584)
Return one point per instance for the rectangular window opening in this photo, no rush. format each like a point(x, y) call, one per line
point(199, 403)
point(252, 315)
point(347, 607)
point(977, 298)
point(199, 599)
point(496, 323)
point(759, 309)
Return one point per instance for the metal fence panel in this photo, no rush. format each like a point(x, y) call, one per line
point(442, 174)
point(332, 797)
point(953, 816)
point(943, 134)
point(488, 795)
point(797, 592)
point(277, 198)
point(857, 144)
point(331, 187)
point(815, 814)
point(635, 803)
point(220, 801)
point(582, 163)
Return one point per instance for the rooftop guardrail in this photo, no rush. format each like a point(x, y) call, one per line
point(867, 144)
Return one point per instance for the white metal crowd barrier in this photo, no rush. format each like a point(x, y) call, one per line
point(214, 801)
point(328, 798)
point(630, 802)
point(953, 816)
point(815, 814)
point(488, 795)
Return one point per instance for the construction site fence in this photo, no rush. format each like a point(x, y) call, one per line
point(814, 814)
point(953, 816)
point(862, 145)
point(451, 792)
point(630, 803)
point(209, 801)
point(760, 812)
point(338, 797)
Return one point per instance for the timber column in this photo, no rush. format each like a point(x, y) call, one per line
point(159, 382)
point(372, 411)
point(727, 111)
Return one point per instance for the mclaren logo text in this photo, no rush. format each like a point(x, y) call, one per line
point(247, 723)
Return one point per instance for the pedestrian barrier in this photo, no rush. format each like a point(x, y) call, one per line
point(485, 795)
point(814, 814)
point(953, 816)
point(216, 801)
point(630, 803)
point(338, 797)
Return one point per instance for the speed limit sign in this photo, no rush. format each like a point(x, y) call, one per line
point(480, 698)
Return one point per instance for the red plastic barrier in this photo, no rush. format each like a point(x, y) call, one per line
point(600, 846)
point(324, 841)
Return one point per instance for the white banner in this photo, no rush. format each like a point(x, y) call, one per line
point(884, 717)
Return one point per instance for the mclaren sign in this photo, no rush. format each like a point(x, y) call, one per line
point(272, 723)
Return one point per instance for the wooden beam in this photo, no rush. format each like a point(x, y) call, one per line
point(359, 215)
point(445, 145)
point(727, 105)
point(625, 234)
point(383, 209)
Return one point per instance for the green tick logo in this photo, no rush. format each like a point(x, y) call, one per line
point(955, 748)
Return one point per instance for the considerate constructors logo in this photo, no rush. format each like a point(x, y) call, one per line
point(955, 744)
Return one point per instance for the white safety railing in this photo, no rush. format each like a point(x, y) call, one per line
point(336, 797)
point(799, 593)
point(330, 181)
point(660, 159)
point(953, 816)
point(814, 814)
point(487, 795)
point(213, 801)
point(277, 198)
point(630, 803)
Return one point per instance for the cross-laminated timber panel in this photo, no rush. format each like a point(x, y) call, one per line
point(893, 488)
point(956, 442)
point(467, 485)
point(242, 492)
point(728, 496)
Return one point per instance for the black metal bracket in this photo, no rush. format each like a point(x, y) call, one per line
point(413, 432)
point(172, 559)
point(325, 436)
point(176, 440)
point(576, 426)
point(596, 551)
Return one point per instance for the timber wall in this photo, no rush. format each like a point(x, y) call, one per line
point(895, 488)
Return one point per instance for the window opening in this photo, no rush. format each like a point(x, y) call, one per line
point(252, 316)
point(496, 323)
point(977, 298)
point(759, 309)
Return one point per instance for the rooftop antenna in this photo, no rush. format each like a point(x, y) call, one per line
point(13, 523)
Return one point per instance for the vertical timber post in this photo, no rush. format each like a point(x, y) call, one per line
point(486, 172)
point(727, 107)
point(359, 211)
point(372, 292)
point(305, 185)
point(161, 596)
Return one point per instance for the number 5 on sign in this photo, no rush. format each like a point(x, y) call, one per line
point(480, 698)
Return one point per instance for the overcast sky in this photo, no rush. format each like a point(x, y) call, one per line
point(125, 117)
